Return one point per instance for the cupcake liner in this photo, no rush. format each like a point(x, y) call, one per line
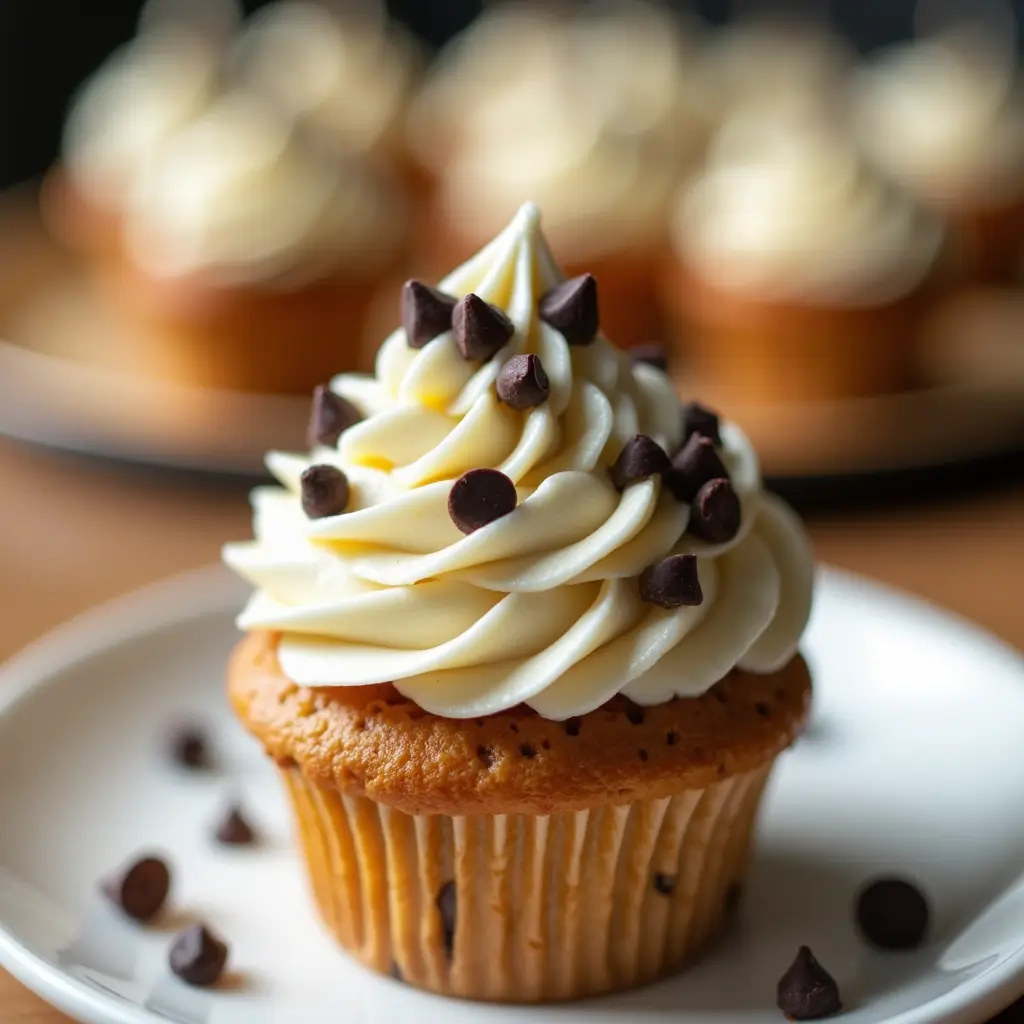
point(521, 908)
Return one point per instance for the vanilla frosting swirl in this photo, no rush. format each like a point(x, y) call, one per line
point(946, 115)
point(787, 209)
point(541, 606)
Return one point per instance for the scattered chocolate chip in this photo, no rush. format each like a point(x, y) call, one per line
point(653, 355)
point(480, 329)
point(527, 750)
point(480, 497)
point(892, 914)
point(140, 889)
point(426, 313)
point(695, 464)
point(672, 583)
point(697, 419)
point(715, 512)
point(189, 748)
point(665, 884)
point(522, 382)
point(635, 714)
point(486, 756)
point(640, 458)
point(807, 991)
point(446, 905)
point(395, 971)
point(571, 308)
point(233, 829)
point(329, 418)
point(572, 726)
point(198, 957)
point(325, 491)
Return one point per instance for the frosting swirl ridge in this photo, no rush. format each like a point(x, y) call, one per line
point(541, 606)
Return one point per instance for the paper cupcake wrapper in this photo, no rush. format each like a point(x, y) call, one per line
point(521, 908)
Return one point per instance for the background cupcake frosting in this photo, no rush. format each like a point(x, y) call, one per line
point(540, 607)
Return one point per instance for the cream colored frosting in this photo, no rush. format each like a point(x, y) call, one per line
point(145, 93)
point(593, 116)
point(243, 194)
point(347, 74)
point(946, 116)
point(787, 209)
point(541, 606)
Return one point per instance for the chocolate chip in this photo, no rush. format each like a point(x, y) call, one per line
point(329, 418)
point(715, 512)
point(395, 971)
point(653, 355)
point(189, 748)
point(672, 583)
point(571, 308)
point(198, 957)
point(325, 491)
point(892, 914)
point(480, 497)
point(522, 382)
point(426, 313)
point(140, 889)
point(807, 991)
point(694, 465)
point(233, 829)
point(697, 419)
point(572, 726)
point(665, 884)
point(640, 458)
point(446, 905)
point(480, 329)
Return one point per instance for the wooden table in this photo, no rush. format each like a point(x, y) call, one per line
point(73, 533)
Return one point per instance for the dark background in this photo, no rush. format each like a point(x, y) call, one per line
point(48, 46)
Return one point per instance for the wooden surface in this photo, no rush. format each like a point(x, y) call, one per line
point(73, 533)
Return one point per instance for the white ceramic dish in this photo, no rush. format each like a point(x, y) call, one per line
point(912, 764)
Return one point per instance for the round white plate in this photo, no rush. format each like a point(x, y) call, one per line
point(912, 764)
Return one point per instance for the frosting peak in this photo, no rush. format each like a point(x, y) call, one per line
point(543, 604)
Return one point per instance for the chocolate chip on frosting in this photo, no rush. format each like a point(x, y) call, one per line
point(198, 957)
point(140, 889)
point(234, 829)
point(189, 748)
point(641, 457)
point(653, 355)
point(330, 417)
point(480, 329)
point(480, 497)
point(694, 465)
point(325, 491)
point(892, 913)
point(698, 419)
point(522, 382)
point(672, 583)
point(807, 991)
point(715, 512)
point(571, 308)
point(426, 313)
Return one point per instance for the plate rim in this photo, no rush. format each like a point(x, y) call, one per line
point(198, 593)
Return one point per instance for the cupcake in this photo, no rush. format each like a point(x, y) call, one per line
point(798, 272)
point(944, 116)
point(347, 74)
point(591, 114)
point(240, 247)
point(523, 645)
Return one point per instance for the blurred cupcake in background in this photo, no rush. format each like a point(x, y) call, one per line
point(798, 272)
point(593, 114)
point(242, 243)
point(345, 70)
point(945, 117)
point(770, 60)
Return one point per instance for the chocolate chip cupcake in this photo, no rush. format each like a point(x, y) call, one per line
point(523, 645)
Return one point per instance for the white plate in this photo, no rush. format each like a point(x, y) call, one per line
point(912, 764)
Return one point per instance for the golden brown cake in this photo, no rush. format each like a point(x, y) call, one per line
point(798, 272)
point(242, 246)
point(944, 116)
point(523, 645)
